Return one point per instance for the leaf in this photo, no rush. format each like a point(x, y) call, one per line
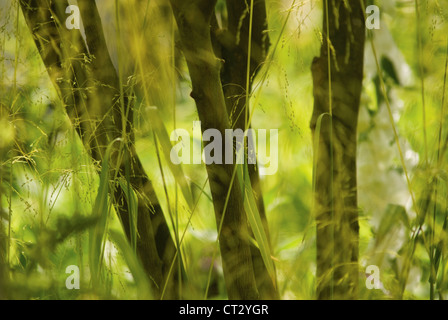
point(164, 139)
point(253, 215)
point(389, 69)
point(317, 132)
point(392, 217)
point(138, 273)
point(100, 211)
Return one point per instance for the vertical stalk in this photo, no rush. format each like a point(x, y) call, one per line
point(337, 86)
point(193, 20)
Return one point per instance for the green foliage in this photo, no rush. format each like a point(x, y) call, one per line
point(55, 205)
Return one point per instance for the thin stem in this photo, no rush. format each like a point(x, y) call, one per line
point(422, 79)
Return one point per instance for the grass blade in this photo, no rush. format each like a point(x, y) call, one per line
point(164, 140)
point(139, 275)
point(101, 211)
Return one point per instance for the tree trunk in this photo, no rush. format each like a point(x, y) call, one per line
point(5, 146)
point(91, 92)
point(336, 206)
point(193, 19)
point(231, 43)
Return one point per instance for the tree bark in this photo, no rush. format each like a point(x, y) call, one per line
point(193, 19)
point(336, 208)
point(88, 85)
